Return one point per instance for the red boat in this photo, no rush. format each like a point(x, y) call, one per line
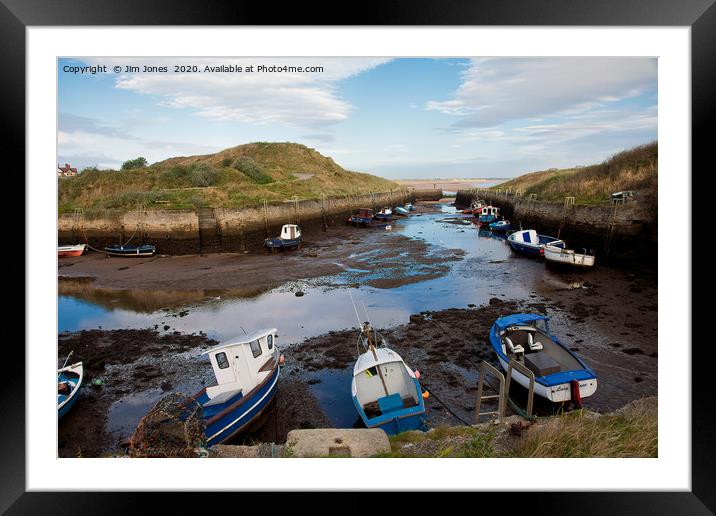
point(71, 250)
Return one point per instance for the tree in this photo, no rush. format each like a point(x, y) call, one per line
point(139, 162)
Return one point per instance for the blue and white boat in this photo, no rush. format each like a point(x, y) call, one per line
point(560, 375)
point(69, 381)
point(487, 214)
point(246, 370)
point(132, 251)
point(527, 241)
point(409, 207)
point(386, 392)
point(386, 214)
point(290, 238)
point(402, 211)
point(500, 225)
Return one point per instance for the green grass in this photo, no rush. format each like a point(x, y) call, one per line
point(633, 169)
point(233, 178)
point(629, 432)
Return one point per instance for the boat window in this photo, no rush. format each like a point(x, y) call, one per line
point(269, 339)
point(255, 348)
point(221, 360)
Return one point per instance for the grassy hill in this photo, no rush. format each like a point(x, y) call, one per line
point(233, 178)
point(633, 169)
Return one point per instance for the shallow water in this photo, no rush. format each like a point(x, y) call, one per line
point(487, 269)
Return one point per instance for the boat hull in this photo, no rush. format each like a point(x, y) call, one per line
point(412, 418)
point(74, 372)
point(486, 219)
point(529, 249)
point(130, 252)
point(282, 243)
point(402, 211)
point(568, 259)
point(383, 217)
point(74, 250)
point(237, 414)
point(360, 221)
point(555, 393)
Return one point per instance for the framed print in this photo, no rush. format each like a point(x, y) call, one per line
point(458, 235)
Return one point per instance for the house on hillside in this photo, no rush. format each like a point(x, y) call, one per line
point(66, 171)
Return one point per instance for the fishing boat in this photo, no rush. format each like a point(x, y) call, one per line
point(402, 211)
point(385, 214)
point(527, 241)
point(386, 392)
point(487, 214)
point(69, 381)
point(500, 225)
point(130, 250)
point(561, 256)
point(475, 207)
point(71, 250)
point(246, 370)
point(362, 218)
point(560, 375)
point(409, 207)
point(290, 238)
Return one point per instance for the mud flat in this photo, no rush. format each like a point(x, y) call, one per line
point(136, 368)
point(191, 277)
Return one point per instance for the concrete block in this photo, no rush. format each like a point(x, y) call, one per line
point(337, 442)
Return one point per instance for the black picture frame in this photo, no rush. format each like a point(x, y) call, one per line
point(700, 15)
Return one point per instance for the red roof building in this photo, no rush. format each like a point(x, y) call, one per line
point(66, 171)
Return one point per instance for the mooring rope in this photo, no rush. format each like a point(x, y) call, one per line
point(446, 407)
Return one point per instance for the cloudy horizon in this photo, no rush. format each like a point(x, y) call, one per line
point(399, 118)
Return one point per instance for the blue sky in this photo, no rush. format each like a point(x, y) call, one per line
point(399, 118)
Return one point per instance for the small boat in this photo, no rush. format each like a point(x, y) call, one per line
point(290, 238)
point(527, 241)
point(362, 218)
point(409, 207)
point(71, 250)
point(402, 211)
point(560, 375)
point(487, 214)
point(246, 370)
point(475, 207)
point(561, 256)
point(385, 214)
point(69, 381)
point(500, 225)
point(130, 250)
point(386, 392)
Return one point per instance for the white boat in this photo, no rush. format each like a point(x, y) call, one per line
point(561, 256)
point(386, 392)
point(246, 370)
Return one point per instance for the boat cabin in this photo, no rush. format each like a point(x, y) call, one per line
point(490, 210)
point(241, 364)
point(365, 213)
point(531, 238)
point(290, 232)
point(383, 384)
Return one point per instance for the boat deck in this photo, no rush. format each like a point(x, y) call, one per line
point(372, 410)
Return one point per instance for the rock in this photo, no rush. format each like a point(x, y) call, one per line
point(337, 442)
point(299, 294)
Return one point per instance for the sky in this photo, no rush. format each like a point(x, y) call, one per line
point(398, 118)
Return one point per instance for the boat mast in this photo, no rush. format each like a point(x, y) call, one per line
point(371, 346)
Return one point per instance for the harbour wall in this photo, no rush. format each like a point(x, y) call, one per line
point(221, 229)
point(625, 232)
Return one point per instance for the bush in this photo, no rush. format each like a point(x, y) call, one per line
point(252, 170)
point(175, 176)
point(139, 162)
point(201, 174)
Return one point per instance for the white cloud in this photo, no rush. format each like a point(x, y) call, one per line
point(284, 97)
point(497, 90)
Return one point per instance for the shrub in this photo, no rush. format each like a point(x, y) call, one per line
point(252, 170)
point(139, 162)
point(201, 174)
point(175, 176)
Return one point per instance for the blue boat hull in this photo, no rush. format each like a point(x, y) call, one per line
point(412, 418)
point(364, 221)
point(382, 216)
point(130, 251)
point(533, 250)
point(494, 226)
point(486, 219)
point(282, 243)
point(228, 419)
point(73, 396)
